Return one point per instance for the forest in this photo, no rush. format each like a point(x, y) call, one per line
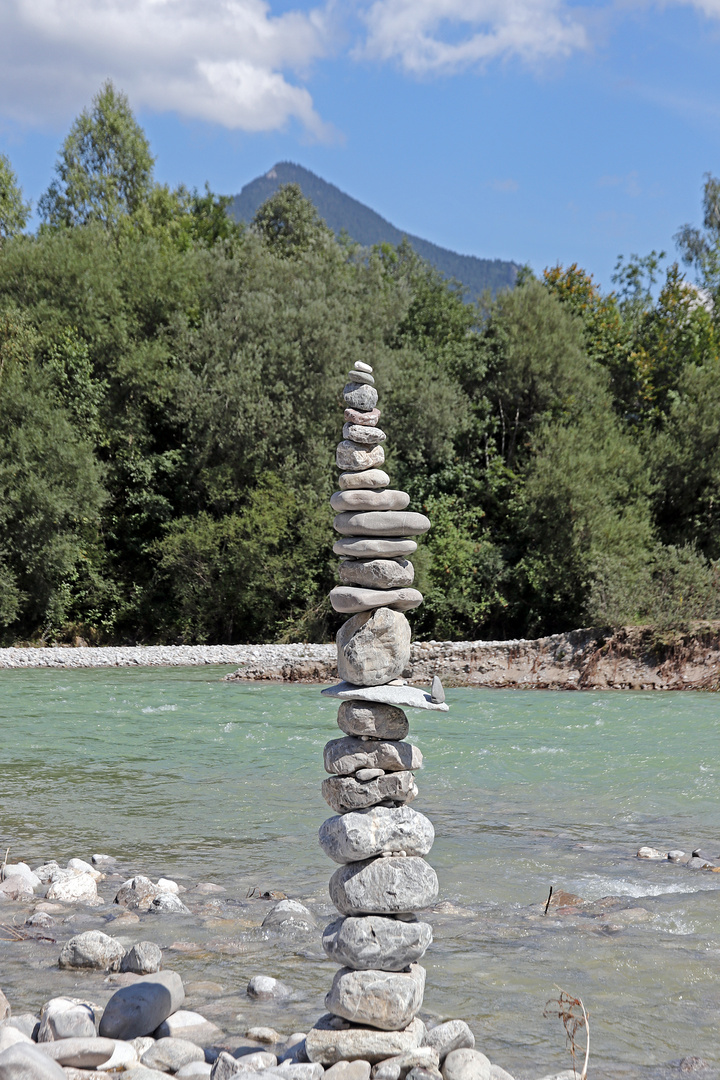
point(170, 404)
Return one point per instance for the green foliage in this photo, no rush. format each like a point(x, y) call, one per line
point(14, 211)
point(290, 224)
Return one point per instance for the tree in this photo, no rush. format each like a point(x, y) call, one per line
point(701, 248)
point(14, 211)
point(105, 168)
point(289, 223)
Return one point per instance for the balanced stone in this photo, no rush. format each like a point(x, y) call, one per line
point(369, 500)
point(375, 941)
point(359, 365)
point(343, 757)
point(355, 457)
point(344, 793)
point(358, 396)
point(370, 547)
point(368, 436)
point(380, 522)
point(349, 599)
point(373, 720)
point(365, 834)
point(411, 697)
point(371, 478)
point(330, 1040)
point(373, 647)
point(367, 419)
point(377, 573)
point(383, 999)
point(362, 377)
point(384, 886)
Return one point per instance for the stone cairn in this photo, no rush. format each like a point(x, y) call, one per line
point(377, 839)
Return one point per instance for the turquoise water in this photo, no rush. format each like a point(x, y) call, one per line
point(177, 773)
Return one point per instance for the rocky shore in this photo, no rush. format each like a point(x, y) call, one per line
point(631, 658)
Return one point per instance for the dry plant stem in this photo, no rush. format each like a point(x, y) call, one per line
point(566, 1006)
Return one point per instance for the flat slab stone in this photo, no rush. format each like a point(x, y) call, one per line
point(80, 1053)
point(368, 499)
point(384, 886)
point(367, 419)
point(361, 433)
point(368, 547)
point(327, 1042)
point(376, 941)
point(357, 375)
point(353, 457)
point(365, 834)
point(385, 999)
point(349, 599)
point(358, 396)
point(381, 522)
point(343, 757)
point(373, 647)
point(409, 697)
point(371, 478)
point(377, 573)
point(344, 793)
point(373, 720)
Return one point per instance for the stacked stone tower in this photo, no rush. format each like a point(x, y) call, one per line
point(376, 837)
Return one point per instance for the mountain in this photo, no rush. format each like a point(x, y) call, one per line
point(363, 225)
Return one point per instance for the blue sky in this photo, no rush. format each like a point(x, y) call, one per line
point(538, 130)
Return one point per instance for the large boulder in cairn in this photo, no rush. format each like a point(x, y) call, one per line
point(377, 573)
point(332, 1039)
point(384, 886)
point(372, 719)
point(373, 647)
point(376, 941)
point(343, 757)
point(382, 999)
point(368, 499)
point(354, 457)
point(360, 396)
point(380, 522)
point(93, 950)
point(364, 834)
point(344, 793)
point(141, 1007)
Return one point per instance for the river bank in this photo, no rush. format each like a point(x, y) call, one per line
point(631, 658)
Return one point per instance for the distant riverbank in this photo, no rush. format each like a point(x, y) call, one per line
point(632, 658)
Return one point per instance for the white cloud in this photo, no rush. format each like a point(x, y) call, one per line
point(224, 61)
point(446, 36)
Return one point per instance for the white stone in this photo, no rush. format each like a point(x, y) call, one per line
point(376, 941)
point(353, 457)
point(79, 866)
point(385, 999)
point(66, 1018)
point(26, 1062)
point(371, 478)
point(368, 499)
point(362, 377)
point(410, 697)
point(452, 1035)
point(345, 793)
point(343, 757)
point(384, 886)
point(373, 647)
point(93, 950)
point(365, 834)
point(360, 366)
point(265, 988)
point(350, 599)
point(377, 573)
point(650, 853)
point(143, 958)
point(369, 547)
point(80, 888)
point(186, 1024)
point(328, 1041)
point(82, 1053)
point(466, 1064)
point(169, 1055)
point(372, 720)
point(380, 522)
point(10, 869)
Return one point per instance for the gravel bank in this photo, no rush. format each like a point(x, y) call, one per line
point(260, 657)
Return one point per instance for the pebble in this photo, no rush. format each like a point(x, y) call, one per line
point(650, 853)
point(361, 433)
point(370, 479)
point(377, 573)
point(141, 1007)
point(26, 1062)
point(327, 1042)
point(372, 720)
point(380, 522)
point(369, 499)
point(363, 398)
point(360, 366)
point(66, 1018)
point(79, 866)
point(366, 419)
point(384, 886)
point(143, 958)
point(373, 647)
point(374, 941)
point(365, 834)
point(452, 1035)
point(344, 793)
point(437, 692)
point(363, 378)
point(350, 599)
point(264, 1035)
point(93, 950)
point(265, 988)
point(343, 757)
point(365, 547)
point(289, 914)
point(21, 868)
point(409, 696)
point(169, 1054)
point(353, 457)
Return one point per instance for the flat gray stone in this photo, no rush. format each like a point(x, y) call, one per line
point(141, 1007)
point(327, 1042)
point(373, 647)
point(409, 697)
point(81, 1053)
point(362, 481)
point(66, 1018)
point(367, 547)
point(466, 1064)
point(360, 365)
point(452, 1035)
point(358, 396)
point(369, 499)
point(367, 419)
point(365, 834)
point(169, 1055)
point(349, 599)
point(377, 573)
point(348, 1070)
point(385, 999)
point(397, 1068)
point(344, 793)
point(93, 950)
point(380, 522)
point(361, 433)
point(384, 886)
point(362, 377)
point(343, 757)
point(353, 457)
point(373, 720)
point(376, 941)
point(144, 958)
point(25, 1062)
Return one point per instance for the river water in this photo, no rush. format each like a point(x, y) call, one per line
point(177, 773)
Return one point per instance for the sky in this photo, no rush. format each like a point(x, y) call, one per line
point(542, 131)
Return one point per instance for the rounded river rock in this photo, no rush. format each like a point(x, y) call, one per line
point(384, 886)
point(377, 573)
point(372, 719)
point(327, 1042)
point(343, 757)
point(142, 1006)
point(349, 599)
point(361, 397)
point(368, 499)
point(345, 793)
point(354, 457)
point(373, 647)
point(375, 941)
point(364, 834)
point(383, 999)
point(380, 522)
point(369, 547)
